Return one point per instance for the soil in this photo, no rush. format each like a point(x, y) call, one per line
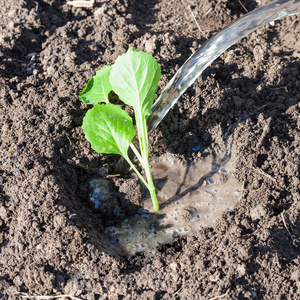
point(52, 243)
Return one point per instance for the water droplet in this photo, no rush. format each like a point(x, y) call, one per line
point(238, 192)
point(117, 211)
point(99, 192)
point(209, 181)
point(110, 147)
point(175, 219)
point(224, 171)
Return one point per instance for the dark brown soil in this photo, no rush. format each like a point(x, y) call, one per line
point(52, 243)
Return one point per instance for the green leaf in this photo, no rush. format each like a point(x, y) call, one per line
point(109, 129)
point(134, 78)
point(97, 88)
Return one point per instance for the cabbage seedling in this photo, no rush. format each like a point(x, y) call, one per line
point(134, 78)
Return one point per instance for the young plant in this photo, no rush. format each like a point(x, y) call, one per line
point(134, 78)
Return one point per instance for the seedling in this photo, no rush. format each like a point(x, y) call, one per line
point(134, 78)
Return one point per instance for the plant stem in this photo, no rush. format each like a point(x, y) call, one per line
point(138, 155)
point(151, 188)
point(144, 150)
point(137, 172)
point(150, 185)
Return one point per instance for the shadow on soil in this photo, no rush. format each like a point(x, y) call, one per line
point(3, 203)
point(4, 227)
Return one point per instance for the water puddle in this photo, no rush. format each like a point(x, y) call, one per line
point(191, 196)
point(99, 192)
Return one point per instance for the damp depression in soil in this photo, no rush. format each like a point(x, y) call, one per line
point(53, 243)
point(190, 196)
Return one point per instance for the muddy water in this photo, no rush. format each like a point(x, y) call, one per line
point(191, 196)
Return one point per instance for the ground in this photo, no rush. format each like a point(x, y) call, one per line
point(52, 243)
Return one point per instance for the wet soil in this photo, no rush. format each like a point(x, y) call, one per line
point(53, 243)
